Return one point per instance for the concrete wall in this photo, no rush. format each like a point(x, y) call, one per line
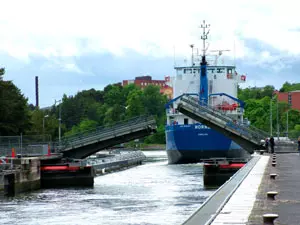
point(26, 172)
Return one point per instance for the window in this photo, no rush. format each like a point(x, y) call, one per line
point(186, 121)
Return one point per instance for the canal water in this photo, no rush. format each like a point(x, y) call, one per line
point(153, 193)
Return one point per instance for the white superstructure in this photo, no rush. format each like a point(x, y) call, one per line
point(221, 79)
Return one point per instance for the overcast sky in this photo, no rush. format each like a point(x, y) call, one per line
point(76, 45)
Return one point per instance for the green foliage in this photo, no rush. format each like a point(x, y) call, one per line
point(259, 109)
point(14, 112)
point(91, 108)
point(255, 92)
point(286, 87)
point(84, 125)
point(135, 103)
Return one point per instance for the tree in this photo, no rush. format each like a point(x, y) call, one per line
point(14, 112)
point(135, 104)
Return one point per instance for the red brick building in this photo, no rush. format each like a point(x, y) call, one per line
point(292, 97)
point(144, 81)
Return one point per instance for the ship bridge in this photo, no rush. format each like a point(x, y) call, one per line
point(248, 137)
point(84, 144)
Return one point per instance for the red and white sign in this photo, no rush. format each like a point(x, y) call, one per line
point(243, 78)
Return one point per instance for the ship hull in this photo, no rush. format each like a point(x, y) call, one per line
point(195, 142)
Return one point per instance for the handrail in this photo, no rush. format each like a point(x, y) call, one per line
point(92, 135)
point(249, 131)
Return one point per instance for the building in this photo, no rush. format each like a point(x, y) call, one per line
point(144, 81)
point(292, 98)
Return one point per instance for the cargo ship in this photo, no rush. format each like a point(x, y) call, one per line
point(214, 84)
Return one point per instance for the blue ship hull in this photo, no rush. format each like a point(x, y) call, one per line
point(193, 142)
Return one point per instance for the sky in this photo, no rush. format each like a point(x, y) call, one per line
point(82, 44)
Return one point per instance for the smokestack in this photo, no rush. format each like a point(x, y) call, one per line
point(37, 91)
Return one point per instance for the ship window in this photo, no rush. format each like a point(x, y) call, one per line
point(219, 70)
point(186, 121)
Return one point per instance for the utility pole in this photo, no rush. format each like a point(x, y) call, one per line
point(271, 122)
point(287, 124)
point(59, 120)
point(277, 121)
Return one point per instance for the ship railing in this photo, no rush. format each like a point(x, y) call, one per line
point(220, 117)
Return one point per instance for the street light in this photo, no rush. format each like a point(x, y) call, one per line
point(277, 121)
point(287, 123)
point(44, 125)
point(59, 120)
point(271, 115)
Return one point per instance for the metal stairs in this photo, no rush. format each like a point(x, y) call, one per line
point(248, 137)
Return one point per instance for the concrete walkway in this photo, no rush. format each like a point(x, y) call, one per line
point(287, 184)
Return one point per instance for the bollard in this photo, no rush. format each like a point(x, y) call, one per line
point(274, 164)
point(261, 152)
point(271, 194)
point(273, 176)
point(269, 218)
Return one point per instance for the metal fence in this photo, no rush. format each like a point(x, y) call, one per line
point(24, 144)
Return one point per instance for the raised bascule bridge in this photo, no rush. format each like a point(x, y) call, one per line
point(248, 137)
point(65, 164)
point(82, 145)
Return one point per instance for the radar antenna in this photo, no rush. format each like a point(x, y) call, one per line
point(192, 47)
point(219, 53)
point(204, 26)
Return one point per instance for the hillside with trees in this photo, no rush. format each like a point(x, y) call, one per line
point(91, 108)
point(260, 104)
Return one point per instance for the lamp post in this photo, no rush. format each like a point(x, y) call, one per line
point(271, 116)
point(277, 120)
point(59, 120)
point(287, 123)
point(44, 125)
point(271, 122)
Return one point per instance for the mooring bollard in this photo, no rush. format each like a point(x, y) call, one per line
point(271, 194)
point(273, 176)
point(269, 218)
point(261, 152)
point(274, 164)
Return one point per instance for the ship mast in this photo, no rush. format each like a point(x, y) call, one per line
point(204, 26)
point(203, 92)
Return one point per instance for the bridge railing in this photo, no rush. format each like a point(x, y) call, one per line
point(92, 134)
point(220, 117)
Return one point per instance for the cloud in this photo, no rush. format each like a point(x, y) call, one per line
point(57, 28)
point(75, 45)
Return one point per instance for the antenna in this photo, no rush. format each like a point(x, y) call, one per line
point(220, 52)
point(192, 47)
point(204, 35)
point(234, 52)
point(174, 55)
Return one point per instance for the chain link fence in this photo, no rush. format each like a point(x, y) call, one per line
point(24, 144)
